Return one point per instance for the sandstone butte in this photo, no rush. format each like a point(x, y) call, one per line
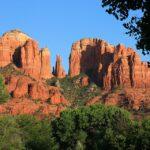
point(108, 66)
point(18, 48)
point(29, 92)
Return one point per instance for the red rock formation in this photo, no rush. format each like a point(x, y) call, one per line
point(45, 64)
point(30, 61)
point(131, 98)
point(27, 106)
point(107, 65)
point(59, 71)
point(18, 48)
point(38, 91)
point(22, 86)
point(9, 42)
point(34, 62)
point(29, 96)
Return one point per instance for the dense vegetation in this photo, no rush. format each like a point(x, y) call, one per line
point(72, 89)
point(4, 95)
point(96, 127)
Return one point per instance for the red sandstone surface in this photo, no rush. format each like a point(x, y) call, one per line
point(16, 47)
point(59, 71)
point(108, 66)
point(30, 96)
point(130, 98)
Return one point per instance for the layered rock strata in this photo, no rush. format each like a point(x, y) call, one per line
point(19, 49)
point(107, 65)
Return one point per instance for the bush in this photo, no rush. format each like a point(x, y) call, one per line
point(4, 95)
point(10, 134)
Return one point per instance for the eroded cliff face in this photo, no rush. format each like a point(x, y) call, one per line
point(35, 62)
point(107, 65)
point(18, 48)
point(24, 66)
point(9, 43)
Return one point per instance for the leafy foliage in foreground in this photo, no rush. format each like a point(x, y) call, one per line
point(88, 128)
point(93, 127)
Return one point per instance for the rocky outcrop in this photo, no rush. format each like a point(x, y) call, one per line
point(9, 43)
point(107, 65)
point(24, 65)
point(34, 62)
point(45, 70)
point(26, 106)
point(29, 96)
point(19, 49)
point(59, 71)
point(21, 86)
point(137, 99)
point(130, 98)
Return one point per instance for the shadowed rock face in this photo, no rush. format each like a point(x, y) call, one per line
point(18, 48)
point(107, 65)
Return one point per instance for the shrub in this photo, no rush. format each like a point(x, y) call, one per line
point(4, 95)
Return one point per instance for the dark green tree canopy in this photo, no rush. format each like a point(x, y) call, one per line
point(137, 25)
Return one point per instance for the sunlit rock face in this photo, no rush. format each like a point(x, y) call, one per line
point(59, 71)
point(18, 48)
point(29, 96)
point(107, 65)
point(9, 43)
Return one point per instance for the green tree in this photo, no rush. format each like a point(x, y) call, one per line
point(4, 95)
point(139, 136)
point(94, 127)
point(37, 134)
point(10, 134)
point(137, 24)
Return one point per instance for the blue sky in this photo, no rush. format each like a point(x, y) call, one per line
point(58, 23)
